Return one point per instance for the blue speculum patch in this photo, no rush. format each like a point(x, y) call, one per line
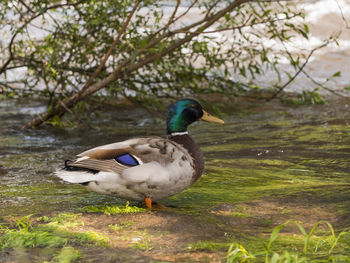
point(127, 159)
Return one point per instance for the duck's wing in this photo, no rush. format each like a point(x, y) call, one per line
point(136, 160)
point(114, 157)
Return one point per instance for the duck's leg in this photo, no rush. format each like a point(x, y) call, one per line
point(148, 202)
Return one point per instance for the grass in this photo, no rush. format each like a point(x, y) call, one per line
point(67, 255)
point(121, 226)
point(109, 209)
point(239, 214)
point(316, 246)
point(142, 240)
point(56, 232)
point(25, 236)
point(31, 239)
point(142, 245)
point(208, 246)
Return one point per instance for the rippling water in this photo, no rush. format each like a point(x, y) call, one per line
point(262, 150)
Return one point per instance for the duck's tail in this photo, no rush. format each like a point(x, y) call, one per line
point(76, 175)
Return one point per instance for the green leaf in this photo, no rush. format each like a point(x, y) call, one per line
point(337, 74)
point(275, 233)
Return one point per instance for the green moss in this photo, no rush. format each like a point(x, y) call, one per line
point(121, 226)
point(56, 232)
point(31, 239)
point(89, 237)
point(208, 246)
point(67, 255)
point(24, 235)
point(63, 225)
point(62, 220)
point(238, 214)
point(109, 209)
point(142, 240)
point(142, 245)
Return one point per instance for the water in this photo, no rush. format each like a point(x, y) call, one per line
point(268, 164)
point(28, 158)
point(262, 151)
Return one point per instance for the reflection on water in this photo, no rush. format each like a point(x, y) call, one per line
point(260, 151)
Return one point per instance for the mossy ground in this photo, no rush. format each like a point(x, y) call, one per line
point(168, 236)
point(263, 168)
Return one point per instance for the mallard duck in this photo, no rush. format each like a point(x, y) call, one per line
point(145, 169)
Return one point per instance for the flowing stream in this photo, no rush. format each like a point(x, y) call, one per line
point(262, 150)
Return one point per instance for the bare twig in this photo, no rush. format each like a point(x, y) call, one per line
point(185, 13)
point(323, 86)
point(171, 19)
point(250, 25)
point(166, 27)
point(26, 6)
point(64, 106)
point(347, 26)
point(19, 30)
point(212, 7)
point(298, 72)
point(109, 52)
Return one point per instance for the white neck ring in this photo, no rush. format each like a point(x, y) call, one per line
point(178, 133)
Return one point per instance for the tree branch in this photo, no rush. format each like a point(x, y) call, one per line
point(126, 68)
point(298, 72)
point(34, 16)
point(110, 50)
point(323, 86)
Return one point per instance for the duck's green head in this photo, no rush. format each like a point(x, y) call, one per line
point(184, 112)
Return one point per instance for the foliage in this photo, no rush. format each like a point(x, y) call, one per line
point(306, 97)
point(317, 247)
point(25, 236)
point(57, 232)
point(67, 255)
point(109, 209)
point(57, 45)
point(62, 220)
point(75, 35)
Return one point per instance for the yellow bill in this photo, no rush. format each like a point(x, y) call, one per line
point(210, 118)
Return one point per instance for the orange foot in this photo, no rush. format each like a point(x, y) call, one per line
point(148, 202)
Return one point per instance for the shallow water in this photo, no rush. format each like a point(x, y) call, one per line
point(262, 151)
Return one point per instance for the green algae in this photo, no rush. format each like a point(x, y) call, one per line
point(208, 246)
point(109, 209)
point(121, 226)
point(254, 156)
point(239, 214)
point(67, 255)
point(238, 185)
